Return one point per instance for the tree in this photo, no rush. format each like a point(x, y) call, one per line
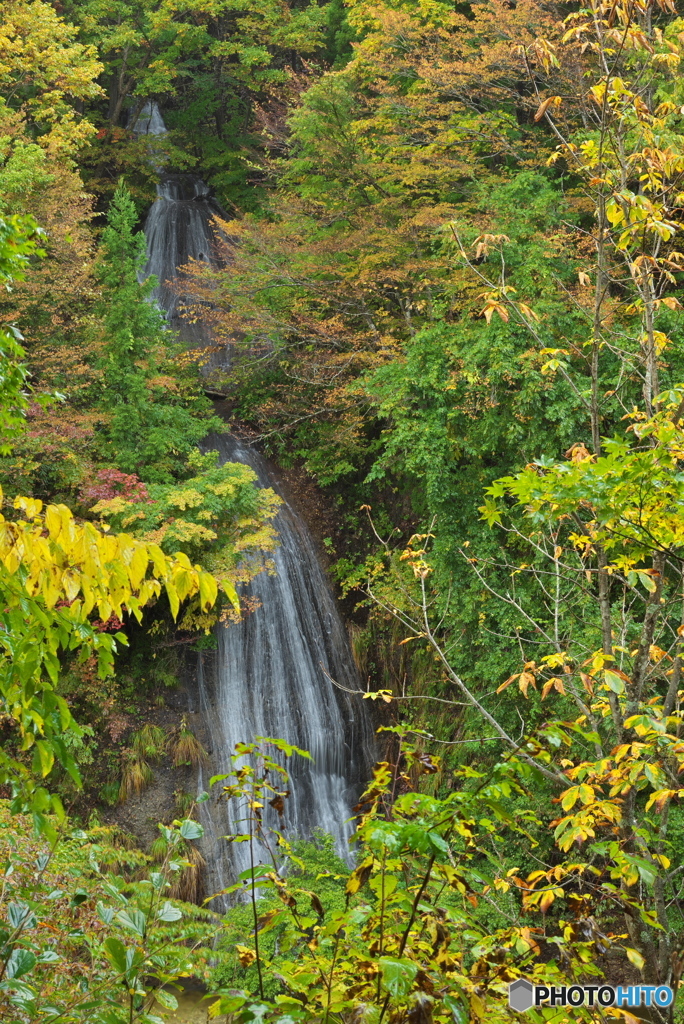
point(587, 576)
point(46, 76)
point(19, 240)
point(217, 517)
point(152, 426)
point(57, 574)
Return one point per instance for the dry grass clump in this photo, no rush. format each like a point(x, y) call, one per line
point(188, 883)
point(136, 774)
point(149, 742)
point(187, 749)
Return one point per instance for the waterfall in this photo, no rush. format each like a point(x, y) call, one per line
point(273, 678)
point(149, 121)
point(275, 673)
point(179, 228)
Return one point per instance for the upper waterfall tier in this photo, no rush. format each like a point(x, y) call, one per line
point(179, 228)
point(149, 121)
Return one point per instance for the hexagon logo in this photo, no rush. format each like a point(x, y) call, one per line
point(520, 995)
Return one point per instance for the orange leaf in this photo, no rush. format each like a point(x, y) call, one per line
point(508, 682)
point(546, 900)
point(544, 106)
point(525, 679)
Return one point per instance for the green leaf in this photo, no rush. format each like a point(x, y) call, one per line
point(133, 919)
point(20, 962)
point(459, 1012)
point(48, 957)
point(169, 913)
point(106, 914)
point(228, 1004)
point(614, 682)
point(397, 975)
point(43, 758)
point(191, 829)
point(115, 952)
point(23, 995)
point(166, 999)
point(20, 914)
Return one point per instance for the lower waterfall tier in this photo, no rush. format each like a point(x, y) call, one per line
point(272, 678)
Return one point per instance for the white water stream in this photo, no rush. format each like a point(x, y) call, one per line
point(271, 675)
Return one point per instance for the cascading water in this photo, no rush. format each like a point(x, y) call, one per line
point(272, 674)
point(179, 228)
point(273, 678)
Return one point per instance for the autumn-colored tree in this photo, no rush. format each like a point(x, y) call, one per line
point(216, 516)
point(587, 576)
point(46, 74)
point(428, 120)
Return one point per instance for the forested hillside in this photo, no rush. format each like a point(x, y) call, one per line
point(444, 299)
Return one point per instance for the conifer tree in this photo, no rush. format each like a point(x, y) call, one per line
point(133, 325)
point(152, 428)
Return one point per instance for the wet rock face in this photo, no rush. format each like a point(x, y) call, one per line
point(140, 815)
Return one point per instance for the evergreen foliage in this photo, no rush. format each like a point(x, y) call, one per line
point(151, 430)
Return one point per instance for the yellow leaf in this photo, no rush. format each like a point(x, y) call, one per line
point(246, 956)
point(635, 958)
point(570, 798)
point(231, 593)
point(527, 311)
point(172, 595)
point(53, 521)
point(359, 877)
point(137, 566)
point(208, 591)
point(31, 507)
point(183, 582)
